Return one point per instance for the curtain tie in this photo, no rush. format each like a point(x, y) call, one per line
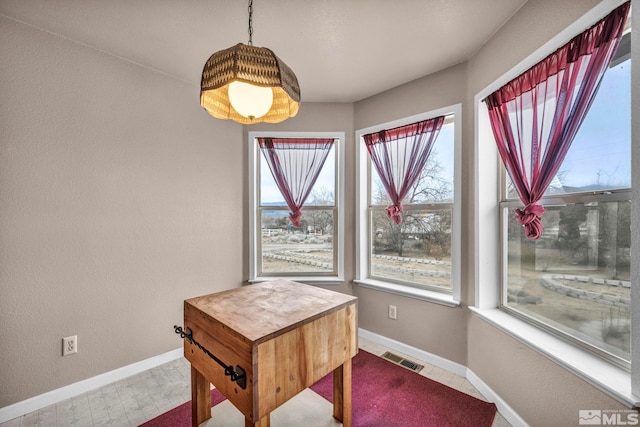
point(529, 218)
point(295, 216)
point(393, 212)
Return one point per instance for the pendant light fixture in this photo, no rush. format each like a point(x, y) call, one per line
point(249, 84)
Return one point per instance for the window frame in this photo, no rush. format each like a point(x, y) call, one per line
point(364, 210)
point(506, 208)
point(255, 210)
point(620, 384)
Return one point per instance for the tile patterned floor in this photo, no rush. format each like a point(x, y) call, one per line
point(134, 400)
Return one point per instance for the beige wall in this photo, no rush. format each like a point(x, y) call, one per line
point(542, 392)
point(119, 198)
point(438, 90)
point(111, 214)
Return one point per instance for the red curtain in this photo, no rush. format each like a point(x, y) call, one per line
point(535, 116)
point(295, 164)
point(399, 155)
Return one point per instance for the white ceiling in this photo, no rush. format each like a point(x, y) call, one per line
point(340, 50)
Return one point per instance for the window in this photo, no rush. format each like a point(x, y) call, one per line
point(311, 250)
point(575, 280)
point(418, 257)
point(503, 260)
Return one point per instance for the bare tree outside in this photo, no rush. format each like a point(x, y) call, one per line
point(419, 229)
point(418, 250)
point(320, 221)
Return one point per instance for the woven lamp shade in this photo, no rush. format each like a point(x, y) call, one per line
point(255, 65)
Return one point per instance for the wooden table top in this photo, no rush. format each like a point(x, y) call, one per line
point(264, 310)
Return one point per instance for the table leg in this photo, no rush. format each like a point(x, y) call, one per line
point(262, 422)
point(200, 398)
point(342, 393)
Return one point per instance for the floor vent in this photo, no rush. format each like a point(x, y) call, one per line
point(402, 361)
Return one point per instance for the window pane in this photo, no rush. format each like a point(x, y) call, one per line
point(600, 155)
point(435, 183)
point(288, 249)
point(417, 251)
point(576, 277)
point(322, 193)
point(269, 193)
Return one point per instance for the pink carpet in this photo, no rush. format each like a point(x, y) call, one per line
point(384, 394)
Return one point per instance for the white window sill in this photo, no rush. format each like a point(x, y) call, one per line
point(610, 379)
point(408, 291)
point(307, 280)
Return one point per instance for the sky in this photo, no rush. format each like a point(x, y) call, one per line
point(602, 148)
point(269, 193)
point(599, 154)
point(442, 152)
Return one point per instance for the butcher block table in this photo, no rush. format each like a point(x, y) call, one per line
point(283, 335)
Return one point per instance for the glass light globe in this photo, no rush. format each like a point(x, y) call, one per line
point(249, 100)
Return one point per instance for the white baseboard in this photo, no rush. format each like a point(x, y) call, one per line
point(55, 396)
point(505, 410)
point(433, 359)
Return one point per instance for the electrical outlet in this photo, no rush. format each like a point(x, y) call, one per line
point(69, 345)
point(393, 312)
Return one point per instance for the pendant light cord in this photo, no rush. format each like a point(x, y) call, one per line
point(250, 22)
